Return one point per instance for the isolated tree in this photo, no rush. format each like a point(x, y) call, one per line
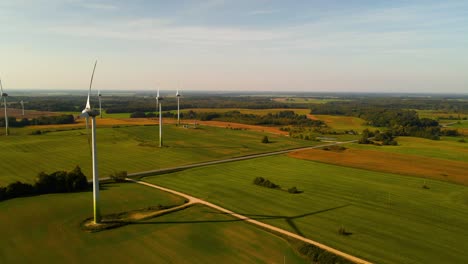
point(265, 140)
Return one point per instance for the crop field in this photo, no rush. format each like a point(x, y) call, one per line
point(132, 149)
point(343, 122)
point(404, 164)
point(436, 114)
point(47, 229)
point(389, 218)
point(446, 148)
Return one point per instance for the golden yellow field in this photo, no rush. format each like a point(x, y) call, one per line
point(440, 169)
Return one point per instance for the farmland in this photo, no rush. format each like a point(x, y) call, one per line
point(131, 148)
point(391, 217)
point(404, 164)
point(447, 148)
point(46, 229)
point(342, 123)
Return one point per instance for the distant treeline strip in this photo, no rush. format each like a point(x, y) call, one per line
point(281, 118)
point(43, 120)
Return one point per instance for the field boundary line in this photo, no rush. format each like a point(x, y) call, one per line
point(214, 162)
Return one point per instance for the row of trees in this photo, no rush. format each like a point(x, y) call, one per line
point(43, 120)
point(56, 182)
point(281, 118)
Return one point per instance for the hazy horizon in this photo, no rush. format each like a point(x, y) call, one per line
point(224, 45)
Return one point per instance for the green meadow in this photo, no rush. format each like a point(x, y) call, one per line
point(447, 148)
point(390, 218)
point(46, 229)
point(132, 149)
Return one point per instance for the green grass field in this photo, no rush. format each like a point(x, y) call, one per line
point(45, 229)
point(133, 149)
point(436, 114)
point(446, 148)
point(345, 122)
point(391, 217)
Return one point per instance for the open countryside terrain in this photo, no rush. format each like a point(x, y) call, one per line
point(448, 148)
point(404, 164)
point(391, 217)
point(132, 149)
point(47, 229)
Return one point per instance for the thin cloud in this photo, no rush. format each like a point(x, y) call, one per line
point(263, 12)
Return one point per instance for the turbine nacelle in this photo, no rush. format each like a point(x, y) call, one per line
point(4, 94)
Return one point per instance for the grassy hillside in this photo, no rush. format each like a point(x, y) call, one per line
point(45, 229)
point(391, 217)
point(128, 148)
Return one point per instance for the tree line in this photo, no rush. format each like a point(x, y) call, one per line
point(56, 182)
point(399, 122)
point(42, 120)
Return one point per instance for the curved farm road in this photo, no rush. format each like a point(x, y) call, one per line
point(193, 200)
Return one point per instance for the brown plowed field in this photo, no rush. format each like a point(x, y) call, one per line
point(440, 169)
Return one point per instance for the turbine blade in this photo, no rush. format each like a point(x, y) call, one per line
point(88, 105)
point(1, 86)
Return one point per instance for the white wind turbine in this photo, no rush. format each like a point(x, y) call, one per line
point(22, 106)
point(158, 105)
point(4, 96)
point(99, 97)
point(178, 107)
point(90, 113)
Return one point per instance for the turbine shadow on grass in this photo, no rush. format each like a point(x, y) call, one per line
point(288, 219)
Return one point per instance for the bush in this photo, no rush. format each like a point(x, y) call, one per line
point(137, 115)
point(294, 190)
point(19, 189)
point(265, 183)
point(119, 176)
point(265, 140)
point(2, 193)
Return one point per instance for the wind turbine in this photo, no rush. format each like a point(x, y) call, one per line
point(178, 107)
point(4, 96)
point(22, 106)
point(99, 97)
point(158, 105)
point(90, 113)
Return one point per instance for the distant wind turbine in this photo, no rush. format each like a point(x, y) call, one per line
point(100, 107)
point(159, 105)
point(178, 107)
point(22, 106)
point(88, 112)
point(4, 96)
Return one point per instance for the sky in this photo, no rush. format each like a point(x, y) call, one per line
point(238, 45)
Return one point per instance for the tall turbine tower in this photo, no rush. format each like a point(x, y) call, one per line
point(4, 96)
point(100, 107)
point(22, 106)
point(178, 107)
point(90, 113)
point(159, 105)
